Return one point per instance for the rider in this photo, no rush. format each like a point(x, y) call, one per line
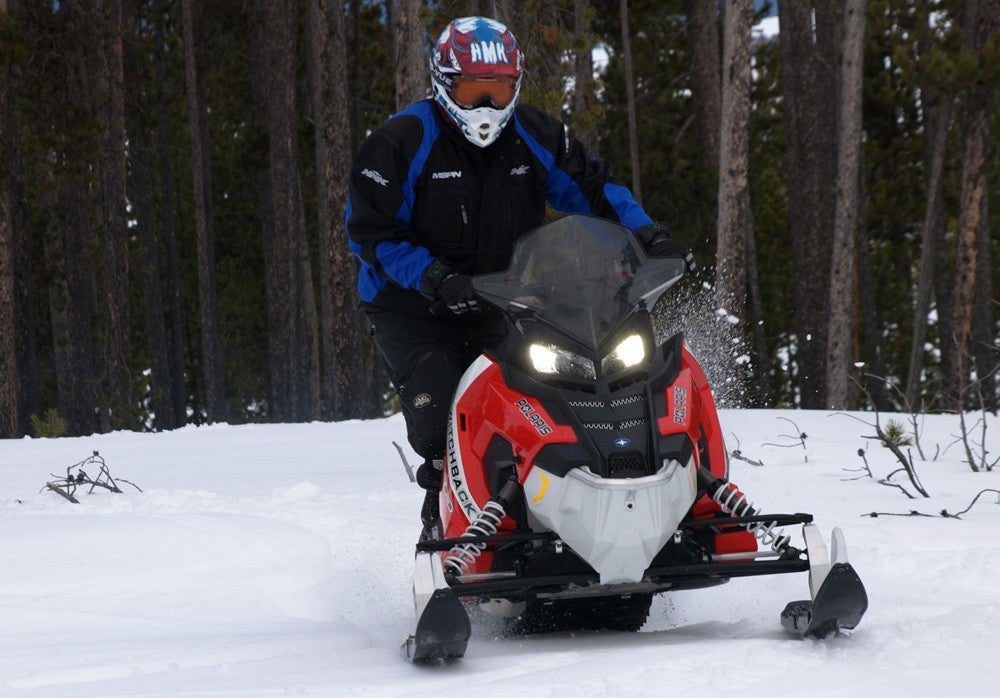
point(440, 192)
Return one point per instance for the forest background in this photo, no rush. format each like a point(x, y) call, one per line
point(173, 184)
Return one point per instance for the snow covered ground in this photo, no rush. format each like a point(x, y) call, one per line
point(263, 560)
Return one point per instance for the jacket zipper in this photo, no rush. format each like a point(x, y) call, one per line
point(465, 216)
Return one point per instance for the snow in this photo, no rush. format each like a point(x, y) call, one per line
point(263, 560)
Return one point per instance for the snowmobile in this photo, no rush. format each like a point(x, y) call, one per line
point(586, 469)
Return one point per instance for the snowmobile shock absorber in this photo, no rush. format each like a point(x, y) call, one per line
point(732, 501)
point(486, 523)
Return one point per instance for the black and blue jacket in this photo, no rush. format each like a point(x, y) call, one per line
point(419, 190)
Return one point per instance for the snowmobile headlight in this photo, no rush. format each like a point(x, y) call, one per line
point(629, 352)
point(547, 358)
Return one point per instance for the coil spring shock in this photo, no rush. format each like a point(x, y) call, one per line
point(487, 522)
point(735, 503)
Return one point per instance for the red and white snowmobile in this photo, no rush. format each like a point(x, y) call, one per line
point(586, 469)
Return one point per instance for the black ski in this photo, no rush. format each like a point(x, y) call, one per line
point(840, 602)
point(442, 632)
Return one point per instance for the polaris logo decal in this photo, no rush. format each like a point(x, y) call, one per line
point(621, 442)
point(487, 52)
point(375, 177)
point(453, 174)
point(537, 421)
point(680, 405)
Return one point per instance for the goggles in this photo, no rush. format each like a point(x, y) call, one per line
point(471, 92)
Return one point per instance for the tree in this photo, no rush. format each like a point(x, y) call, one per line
point(810, 40)
point(411, 57)
point(340, 323)
point(981, 22)
point(633, 132)
point(703, 47)
point(118, 408)
point(211, 346)
point(10, 372)
point(293, 332)
point(141, 163)
point(842, 306)
point(735, 218)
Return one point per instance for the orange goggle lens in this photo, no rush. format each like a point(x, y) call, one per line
point(470, 92)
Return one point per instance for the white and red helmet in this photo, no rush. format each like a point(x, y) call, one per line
point(476, 71)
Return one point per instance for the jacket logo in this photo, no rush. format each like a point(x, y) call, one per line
point(376, 177)
point(454, 174)
point(522, 170)
point(487, 52)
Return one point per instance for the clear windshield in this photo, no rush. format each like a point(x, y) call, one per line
point(581, 274)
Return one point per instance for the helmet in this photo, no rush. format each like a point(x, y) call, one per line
point(476, 76)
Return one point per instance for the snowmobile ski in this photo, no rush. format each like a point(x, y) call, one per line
point(839, 603)
point(442, 632)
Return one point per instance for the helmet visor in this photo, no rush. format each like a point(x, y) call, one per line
point(471, 92)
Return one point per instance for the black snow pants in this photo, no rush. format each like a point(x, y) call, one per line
point(425, 357)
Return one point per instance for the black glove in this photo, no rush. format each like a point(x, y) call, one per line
point(441, 283)
point(657, 242)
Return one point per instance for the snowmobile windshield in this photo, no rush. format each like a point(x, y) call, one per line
point(581, 274)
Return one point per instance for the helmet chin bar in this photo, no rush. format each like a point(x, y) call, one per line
point(480, 126)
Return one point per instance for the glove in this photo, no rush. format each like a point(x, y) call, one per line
point(442, 284)
point(658, 243)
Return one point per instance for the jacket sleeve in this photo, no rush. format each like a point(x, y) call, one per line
point(575, 182)
point(379, 207)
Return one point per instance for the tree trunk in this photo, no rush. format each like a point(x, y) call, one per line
point(809, 46)
point(293, 334)
point(168, 202)
point(10, 373)
point(72, 301)
point(633, 133)
point(141, 191)
point(840, 337)
point(340, 321)
point(984, 333)
point(703, 46)
point(211, 346)
point(936, 130)
point(735, 218)
point(583, 83)
point(979, 25)
point(119, 405)
point(411, 59)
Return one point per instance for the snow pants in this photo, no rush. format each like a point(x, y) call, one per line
point(425, 357)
